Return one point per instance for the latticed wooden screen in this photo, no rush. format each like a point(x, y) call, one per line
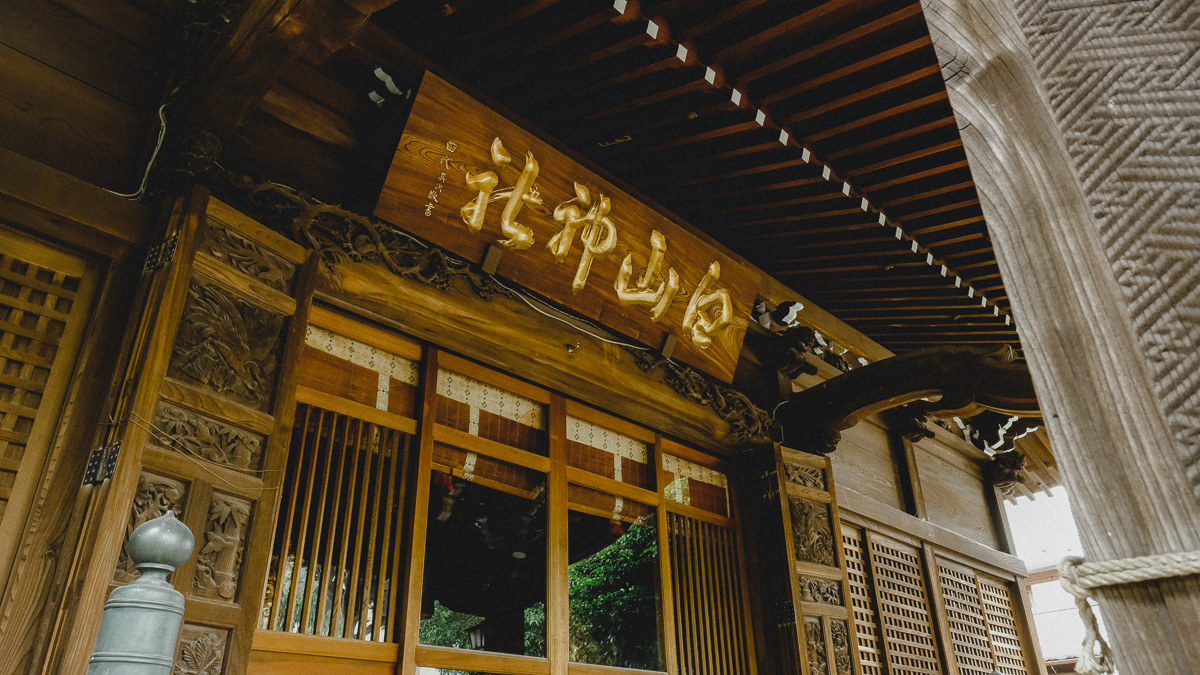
point(710, 626)
point(336, 569)
point(37, 303)
point(983, 625)
point(866, 618)
point(903, 604)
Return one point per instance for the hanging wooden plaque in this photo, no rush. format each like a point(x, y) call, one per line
point(464, 177)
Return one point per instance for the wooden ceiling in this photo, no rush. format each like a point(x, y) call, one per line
point(813, 138)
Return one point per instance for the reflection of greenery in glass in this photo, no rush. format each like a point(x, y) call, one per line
point(447, 628)
point(614, 608)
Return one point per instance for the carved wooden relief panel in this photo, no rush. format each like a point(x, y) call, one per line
point(210, 439)
point(227, 346)
point(155, 496)
point(200, 650)
point(821, 591)
point(818, 661)
point(812, 532)
point(219, 559)
point(805, 476)
point(840, 632)
point(247, 257)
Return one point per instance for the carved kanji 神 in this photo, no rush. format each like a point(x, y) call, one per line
point(643, 293)
point(598, 235)
point(524, 192)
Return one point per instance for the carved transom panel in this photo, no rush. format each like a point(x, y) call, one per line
point(227, 346)
point(805, 476)
point(247, 257)
point(219, 560)
point(210, 439)
point(820, 590)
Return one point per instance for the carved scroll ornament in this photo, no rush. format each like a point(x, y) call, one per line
point(841, 646)
point(805, 476)
point(958, 381)
point(248, 257)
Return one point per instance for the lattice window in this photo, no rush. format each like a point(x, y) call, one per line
point(336, 567)
point(968, 629)
point(36, 304)
point(483, 410)
point(866, 618)
point(710, 626)
point(1002, 626)
point(904, 608)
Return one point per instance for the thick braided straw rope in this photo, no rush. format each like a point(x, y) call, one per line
point(1079, 578)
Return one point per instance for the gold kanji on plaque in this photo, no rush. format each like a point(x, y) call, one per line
point(524, 192)
point(710, 310)
point(644, 293)
point(597, 232)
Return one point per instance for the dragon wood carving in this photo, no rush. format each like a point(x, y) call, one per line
point(958, 381)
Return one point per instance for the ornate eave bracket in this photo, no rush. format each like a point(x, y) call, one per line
point(956, 381)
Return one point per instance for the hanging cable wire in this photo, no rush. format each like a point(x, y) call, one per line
point(162, 133)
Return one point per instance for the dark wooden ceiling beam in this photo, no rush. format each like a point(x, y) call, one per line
point(893, 161)
point(885, 23)
point(892, 138)
point(917, 232)
point(795, 201)
point(966, 185)
point(940, 209)
point(881, 88)
point(891, 111)
point(915, 176)
point(846, 71)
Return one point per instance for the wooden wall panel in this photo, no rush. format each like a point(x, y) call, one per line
point(864, 461)
point(955, 496)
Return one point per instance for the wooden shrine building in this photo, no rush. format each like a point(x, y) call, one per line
point(588, 337)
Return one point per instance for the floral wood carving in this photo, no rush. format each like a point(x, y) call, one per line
point(248, 258)
point(818, 662)
point(748, 424)
point(820, 590)
point(841, 646)
point(200, 651)
point(155, 496)
point(339, 236)
point(811, 532)
point(228, 346)
point(220, 560)
point(806, 476)
point(211, 439)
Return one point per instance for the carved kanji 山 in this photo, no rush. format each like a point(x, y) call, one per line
point(643, 293)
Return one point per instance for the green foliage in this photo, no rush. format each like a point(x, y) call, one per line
point(447, 628)
point(614, 609)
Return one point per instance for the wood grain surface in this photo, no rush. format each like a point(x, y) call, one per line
point(443, 118)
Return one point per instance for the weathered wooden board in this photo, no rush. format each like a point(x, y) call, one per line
point(449, 140)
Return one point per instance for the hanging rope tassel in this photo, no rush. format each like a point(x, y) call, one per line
point(1079, 578)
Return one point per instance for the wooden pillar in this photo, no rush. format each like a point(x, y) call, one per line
point(1128, 486)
